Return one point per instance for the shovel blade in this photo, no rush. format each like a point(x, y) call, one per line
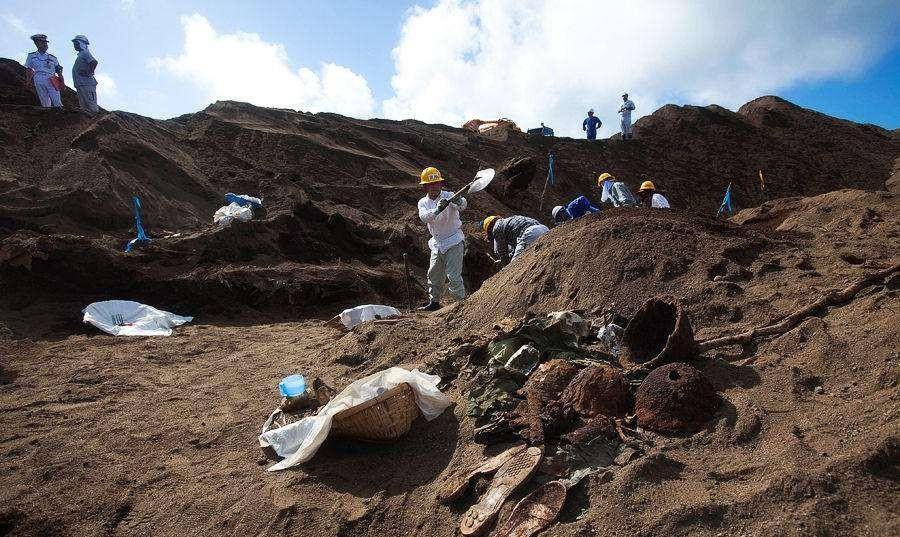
point(482, 180)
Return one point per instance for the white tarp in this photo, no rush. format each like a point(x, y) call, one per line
point(363, 314)
point(129, 318)
point(230, 212)
point(297, 442)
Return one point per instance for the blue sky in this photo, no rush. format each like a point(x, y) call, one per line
point(448, 60)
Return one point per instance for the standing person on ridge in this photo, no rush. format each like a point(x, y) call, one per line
point(625, 110)
point(649, 197)
point(590, 125)
point(447, 243)
point(83, 76)
point(43, 70)
point(511, 236)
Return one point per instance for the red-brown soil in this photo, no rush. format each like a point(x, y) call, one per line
point(136, 436)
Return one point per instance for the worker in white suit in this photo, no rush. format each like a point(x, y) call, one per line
point(625, 110)
point(43, 70)
point(440, 213)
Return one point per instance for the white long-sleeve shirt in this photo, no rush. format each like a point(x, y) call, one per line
point(445, 228)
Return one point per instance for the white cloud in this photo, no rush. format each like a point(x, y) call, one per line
point(17, 24)
point(242, 66)
point(550, 60)
point(106, 87)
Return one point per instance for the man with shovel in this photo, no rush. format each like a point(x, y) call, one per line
point(439, 210)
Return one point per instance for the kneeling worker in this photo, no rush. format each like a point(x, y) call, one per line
point(511, 236)
point(650, 198)
point(615, 191)
point(576, 208)
point(447, 243)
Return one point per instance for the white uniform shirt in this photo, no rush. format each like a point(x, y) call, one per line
point(445, 228)
point(659, 201)
point(43, 64)
point(626, 109)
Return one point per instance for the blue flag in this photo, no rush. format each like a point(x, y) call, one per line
point(141, 235)
point(551, 180)
point(726, 202)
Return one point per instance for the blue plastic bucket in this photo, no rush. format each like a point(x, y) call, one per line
point(292, 386)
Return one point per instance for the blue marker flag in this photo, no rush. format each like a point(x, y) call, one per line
point(726, 202)
point(551, 180)
point(141, 236)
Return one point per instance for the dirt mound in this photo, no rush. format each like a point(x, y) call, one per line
point(619, 257)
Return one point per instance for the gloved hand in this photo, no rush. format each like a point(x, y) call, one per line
point(443, 204)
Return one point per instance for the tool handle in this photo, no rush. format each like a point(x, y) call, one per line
point(456, 195)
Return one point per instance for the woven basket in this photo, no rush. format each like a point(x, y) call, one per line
point(383, 418)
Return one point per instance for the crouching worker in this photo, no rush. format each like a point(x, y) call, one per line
point(447, 243)
point(649, 197)
point(615, 191)
point(576, 208)
point(511, 236)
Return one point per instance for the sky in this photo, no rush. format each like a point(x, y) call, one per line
point(447, 61)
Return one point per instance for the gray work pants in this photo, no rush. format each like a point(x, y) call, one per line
point(447, 266)
point(87, 98)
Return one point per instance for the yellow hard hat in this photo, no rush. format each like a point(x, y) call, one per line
point(603, 177)
point(646, 185)
point(430, 175)
point(486, 223)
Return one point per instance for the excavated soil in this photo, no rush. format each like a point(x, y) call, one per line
point(137, 436)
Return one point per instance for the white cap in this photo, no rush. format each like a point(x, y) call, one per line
point(556, 211)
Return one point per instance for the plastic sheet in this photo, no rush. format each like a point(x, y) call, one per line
point(297, 442)
point(368, 312)
point(232, 211)
point(129, 318)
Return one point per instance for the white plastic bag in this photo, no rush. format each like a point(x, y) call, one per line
point(129, 318)
point(297, 442)
point(363, 314)
point(230, 212)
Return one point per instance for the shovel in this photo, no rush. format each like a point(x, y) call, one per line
point(482, 180)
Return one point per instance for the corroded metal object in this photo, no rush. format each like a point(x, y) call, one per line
point(597, 390)
point(659, 333)
point(675, 398)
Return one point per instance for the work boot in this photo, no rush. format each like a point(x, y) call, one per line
point(431, 306)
